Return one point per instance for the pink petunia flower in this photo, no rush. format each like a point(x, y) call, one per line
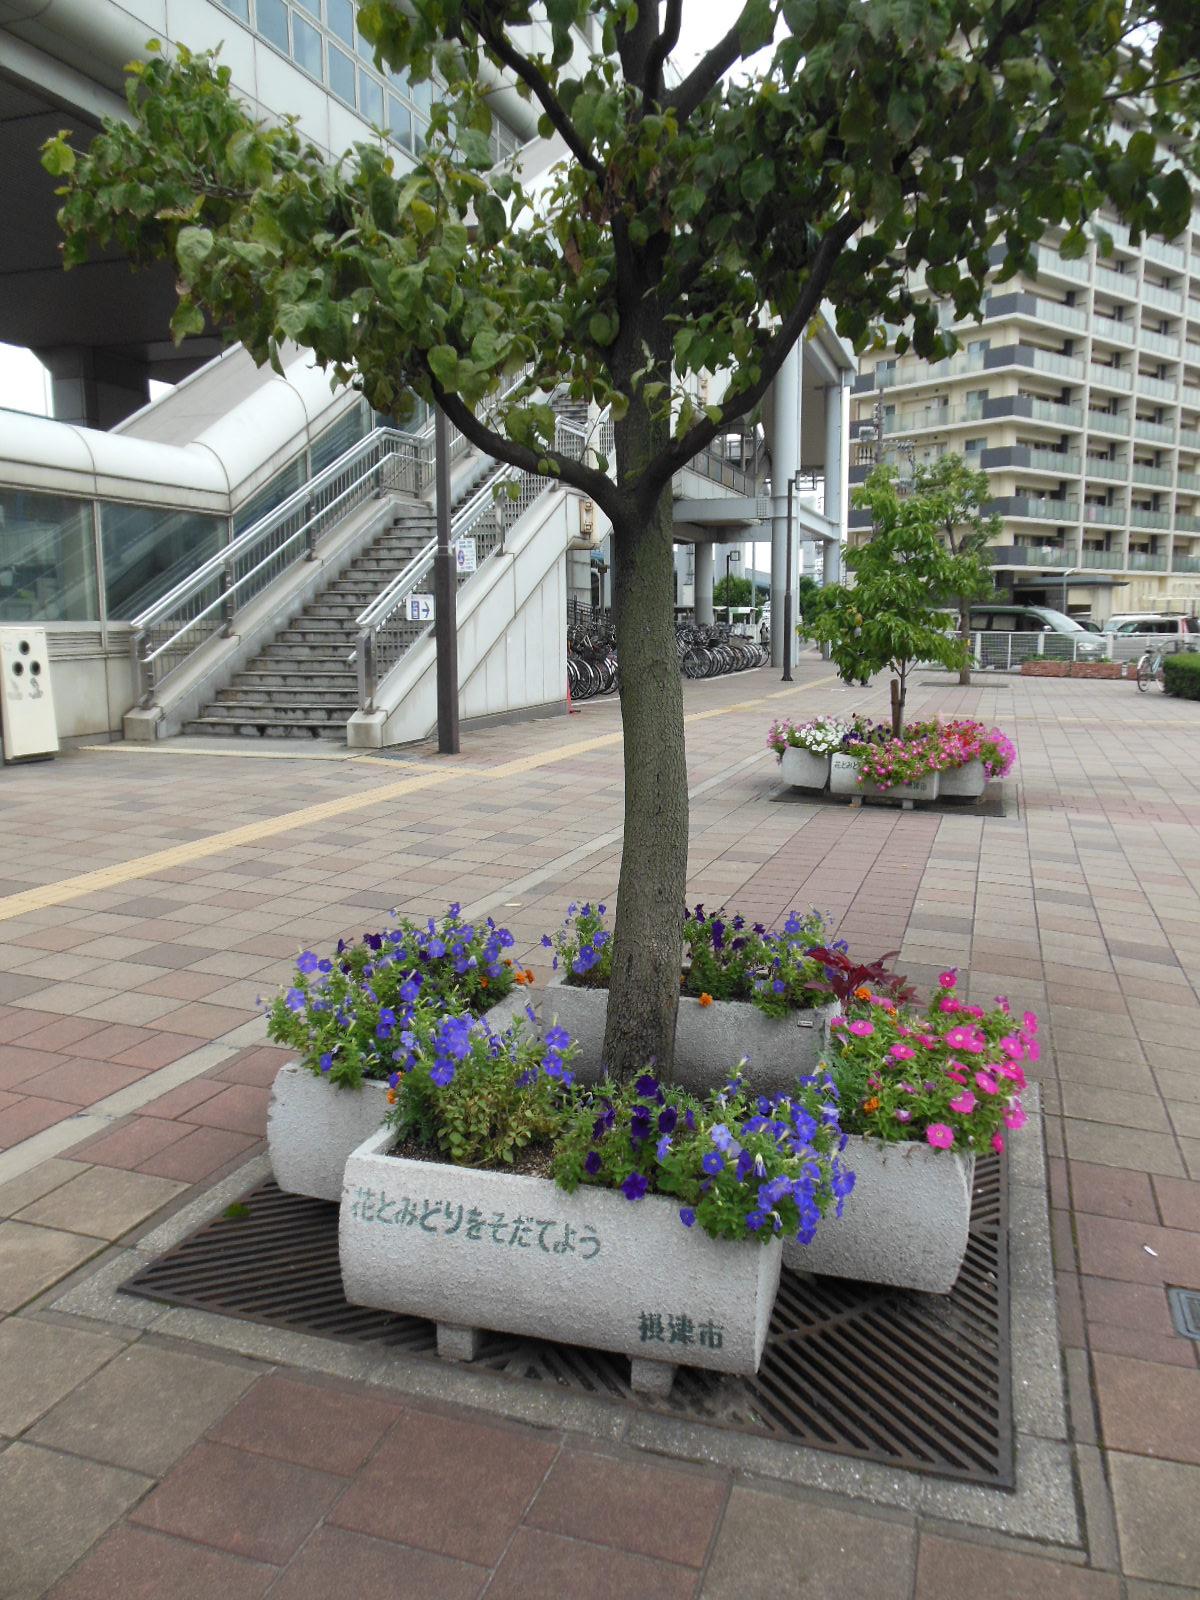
point(963, 1103)
point(939, 1135)
point(987, 1083)
point(998, 1143)
point(902, 1052)
point(949, 978)
point(861, 1028)
point(1030, 1020)
point(1015, 1116)
point(903, 1115)
point(957, 1075)
point(1012, 1047)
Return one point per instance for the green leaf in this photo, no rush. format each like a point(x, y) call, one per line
point(57, 156)
point(757, 180)
point(193, 248)
point(602, 328)
point(476, 148)
point(187, 319)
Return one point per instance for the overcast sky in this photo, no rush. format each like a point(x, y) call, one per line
point(23, 385)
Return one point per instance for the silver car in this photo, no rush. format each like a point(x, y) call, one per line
point(1062, 637)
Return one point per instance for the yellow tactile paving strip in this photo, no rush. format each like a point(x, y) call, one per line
point(53, 894)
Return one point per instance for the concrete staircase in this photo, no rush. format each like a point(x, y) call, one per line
point(303, 684)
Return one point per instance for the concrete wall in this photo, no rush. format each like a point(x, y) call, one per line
point(91, 677)
point(512, 637)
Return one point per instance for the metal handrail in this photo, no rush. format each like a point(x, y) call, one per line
point(384, 633)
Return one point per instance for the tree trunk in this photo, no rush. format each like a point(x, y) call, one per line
point(647, 945)
point(964, 633)
point(899, 690)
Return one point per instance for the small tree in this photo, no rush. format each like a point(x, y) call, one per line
point(731, 591)
point(697, 223)
point(957, 496)
point(894, 614)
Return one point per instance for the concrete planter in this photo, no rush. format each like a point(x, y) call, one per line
point(802, 769)
point(843, 779)
point(709, 1040)
point(313, 1125)
point(962, 783)
point(478, 1250)
point(905, 1221)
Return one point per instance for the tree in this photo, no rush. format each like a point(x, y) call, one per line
point(697, 223)
point(894, 614)
point(956, 496)
point(731, 591)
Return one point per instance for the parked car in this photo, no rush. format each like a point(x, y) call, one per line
point(1062, 638)
point(1184, 629)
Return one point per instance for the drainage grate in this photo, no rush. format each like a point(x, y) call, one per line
point(911, 1381)
point(1185, 1311)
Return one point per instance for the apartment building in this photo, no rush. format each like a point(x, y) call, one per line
point(1079, 396)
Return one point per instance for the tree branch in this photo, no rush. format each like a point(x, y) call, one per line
point(661, 50)
point(772, 354)
point(708, 71)
point(503, 48)
point(597, 485)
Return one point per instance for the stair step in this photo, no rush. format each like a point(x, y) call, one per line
point(242, 727)
point(307, 697)
point(259, 709)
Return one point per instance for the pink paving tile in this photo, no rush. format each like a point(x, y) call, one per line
point(82, 1083)
point(257, 1066)
point(130, 1146)
point(62, 1033)
point(336, 1563)
point(18, 1021)
point(183, 1098)
point(544, 1566)
point(184, 985)
point(248, 1505)
point(134, 1564)
point(18, 1064)
point(159, 1051)
point(241, 1108)
point(1179, 1202)
point(198, 1154)
point(207, 1022)
point(111, 1041)
point(334, 1430)
point(1112, 1192)
point(1136, 1252)
point(29, 1116)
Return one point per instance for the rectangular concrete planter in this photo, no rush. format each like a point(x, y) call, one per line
point(802, 769)
point(709, 1040)
point(313, 1125)
point(503, 1251)
point(905, 1221)
point(962, 783)
point(843, 779)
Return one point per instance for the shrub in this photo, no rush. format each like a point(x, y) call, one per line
point(1181, 675)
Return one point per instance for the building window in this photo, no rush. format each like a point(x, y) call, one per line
point(370, 99)
point(341, 74)
point(339, 18)
point(47, 558)
point(306, 46)
point(239, 8)
point(272, 20)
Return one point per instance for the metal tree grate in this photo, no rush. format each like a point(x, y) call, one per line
point(910, 1381)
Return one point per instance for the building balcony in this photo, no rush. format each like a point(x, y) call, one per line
point(1023, 304)
point(1144, 561)
point(1050, 556)
point(1143, 474)
point(1047, 508)
point(1189, 480)
point(1058, 415)
point(1163, 299)
point(1186, 438)
point(1109, 422)
point(1106, 516)
point(1061, 463)
point(1052, 264)
point(1121, 284)
point(1166, 255)
point(1185, 563)
point(1185, 522)
point(1098, 467)
point(1163, 344)
point(1102, 377)
point(1191, 350)
point(1157, 432)
point(1157, 388)
point(1139, 517)
point(1104, 560)
point(1190, 396)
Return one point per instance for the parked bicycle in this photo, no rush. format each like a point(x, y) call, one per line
point(1150, 670)
point(591, 659)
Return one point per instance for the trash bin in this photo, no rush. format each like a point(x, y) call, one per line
point(26, 700)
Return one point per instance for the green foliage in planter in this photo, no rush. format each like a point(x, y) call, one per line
point(1181, 675)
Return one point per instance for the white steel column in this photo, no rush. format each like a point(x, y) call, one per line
point(836, 432)
point(703, 590)
point(785, 462)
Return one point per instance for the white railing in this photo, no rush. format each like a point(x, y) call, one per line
point(385, 629)
point(1005, 652)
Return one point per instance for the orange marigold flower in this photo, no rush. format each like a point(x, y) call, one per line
point(483, 983)
point(706, 999)
point(518, 977)
point(862, 992)
point(392, 1097)
point(508, 961)
point(872, 1104)
point(529, 978)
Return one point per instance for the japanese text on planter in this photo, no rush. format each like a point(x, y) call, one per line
point(445, 1219)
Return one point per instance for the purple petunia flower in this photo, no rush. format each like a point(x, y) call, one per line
point(592, 1162)
point(713, 1162)
point(687, 1216)
point(635, 1186)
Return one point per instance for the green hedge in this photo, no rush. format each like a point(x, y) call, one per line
point(1182, 675)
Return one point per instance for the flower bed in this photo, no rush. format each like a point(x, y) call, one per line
point(348, 1016)
point(934, 759)
point(746, 993)
point(804, 749)
point(606, 1255)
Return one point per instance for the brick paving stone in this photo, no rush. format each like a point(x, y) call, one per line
point(81, 1083)
point(475, 1482)
point(1157, 1523)
point(258, 1066)
point(1115, 1146)
point(134, 1564)
point(159, 1051)
point(110, 1041)
point(240, 1108)
point(545, 1566)
point(1137, 1252)
point(650, 1510)
point(183, 1098)
point(40, 1362)
point(334, 1562)
point(770, 1545)
point(22, 1191)
point(144, 1409)
point(197, 1155)
point(947, 1567)
point(1112, 1192)
point(19, 1063)
point(52, 1507)
point(29, 1115)
point(206, 1021)
point(31, 1259)
point(61, 1034)
point(104, 1201)
point(1179, 1203)
point(245, 1504)
point(1148, 1409)
point(129, 1146)
point(310, 1425)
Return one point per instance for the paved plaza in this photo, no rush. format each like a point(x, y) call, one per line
point(150, 896)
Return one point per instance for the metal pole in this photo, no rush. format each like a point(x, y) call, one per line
point(445, 591)
point(787, 593)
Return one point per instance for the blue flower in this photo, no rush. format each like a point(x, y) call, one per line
point(410, 989)
point(547, 941)
point(326, 1062)
point(601, 910)
point(721, 1136)
point(663, 1145)
point(687, 1216)
point(779, 986)
point(713, 1162)
point(592, 1162)
point(442, 1072)
point(306, 962)
point(635, 1186)
point(506, 939)
point(647, 1086)
point(552, 1065)
point(755, 1220)
point(586, 959)
point(717, 930)
point(667, 1120)
point(295, 1000)
point(436, 947)
point(557, 1038)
